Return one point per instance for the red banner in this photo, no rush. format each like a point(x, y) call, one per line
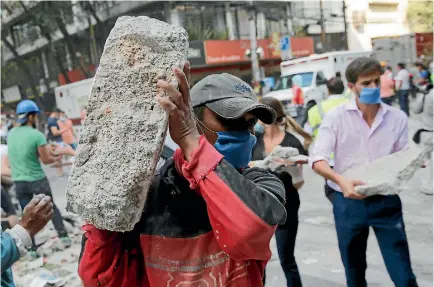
point(234, 51)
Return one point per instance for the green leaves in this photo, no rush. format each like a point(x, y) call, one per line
point(198, 31)
point(420, 16)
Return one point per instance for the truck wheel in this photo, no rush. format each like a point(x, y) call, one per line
point(306, 111)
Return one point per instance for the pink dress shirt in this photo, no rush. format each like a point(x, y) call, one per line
point(386, 85)
point(345, 133)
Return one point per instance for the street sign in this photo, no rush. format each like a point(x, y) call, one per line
point(284, 43)
point(285, 48)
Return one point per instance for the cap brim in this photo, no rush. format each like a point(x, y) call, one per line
point(234, 108)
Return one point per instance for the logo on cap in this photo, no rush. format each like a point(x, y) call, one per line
point(242, 88)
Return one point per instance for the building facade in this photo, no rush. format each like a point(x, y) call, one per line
point(374, 19)
point(51, 62)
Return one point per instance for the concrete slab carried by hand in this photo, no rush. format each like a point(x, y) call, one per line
point(125, 127)
point(390, 174)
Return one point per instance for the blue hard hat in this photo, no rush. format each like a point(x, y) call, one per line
point(24, 108)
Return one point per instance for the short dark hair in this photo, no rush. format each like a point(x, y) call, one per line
point(419, 64)
point(361, 66)
point(401, 65)
point(335, 86)
point(389, 68)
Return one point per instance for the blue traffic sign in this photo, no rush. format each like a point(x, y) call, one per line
point(285, 43)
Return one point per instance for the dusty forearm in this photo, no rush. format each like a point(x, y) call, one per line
point(322, 168)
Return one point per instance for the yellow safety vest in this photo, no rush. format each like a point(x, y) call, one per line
point(317, 113)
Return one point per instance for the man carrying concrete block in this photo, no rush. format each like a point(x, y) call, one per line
point(209, 218)
point(358, 132)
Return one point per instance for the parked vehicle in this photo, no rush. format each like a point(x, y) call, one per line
point(315, 70)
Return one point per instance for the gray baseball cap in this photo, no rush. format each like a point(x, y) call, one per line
point(230, 98)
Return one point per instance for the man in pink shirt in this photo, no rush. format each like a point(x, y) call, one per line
point(386, 86)
point(359, 132)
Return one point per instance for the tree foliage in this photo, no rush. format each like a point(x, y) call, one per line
point(44, 19)
point(198, 31)
point(420, 16)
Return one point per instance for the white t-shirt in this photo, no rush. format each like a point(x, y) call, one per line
point(404, 77)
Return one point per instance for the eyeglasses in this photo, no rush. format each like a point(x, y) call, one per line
point(238, 124)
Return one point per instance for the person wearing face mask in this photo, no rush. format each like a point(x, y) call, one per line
point(68, 136)
point(274, 135)
point(27, 147)
point(358, 132)
point(208, 218)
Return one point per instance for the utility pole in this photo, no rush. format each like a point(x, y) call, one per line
point(344, 12)
point(253, 44)
point(323, 33)
point(289, 19)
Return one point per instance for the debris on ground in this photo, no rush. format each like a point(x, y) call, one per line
point(57, 265)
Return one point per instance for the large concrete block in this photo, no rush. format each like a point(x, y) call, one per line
point(125, 127)
point(390, 174)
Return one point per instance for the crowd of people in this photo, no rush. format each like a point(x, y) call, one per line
point(210, 213)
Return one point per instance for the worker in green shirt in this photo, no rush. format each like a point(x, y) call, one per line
point(27, 146)
point(317, 113)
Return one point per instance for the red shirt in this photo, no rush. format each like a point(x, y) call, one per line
point(297, 98)
point(204, 223)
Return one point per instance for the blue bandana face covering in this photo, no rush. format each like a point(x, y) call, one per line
point(370, 96)
point(236, 147)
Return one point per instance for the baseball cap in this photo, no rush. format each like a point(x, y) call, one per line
point(230, 98)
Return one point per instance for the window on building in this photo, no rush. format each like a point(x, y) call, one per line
point(25, 32)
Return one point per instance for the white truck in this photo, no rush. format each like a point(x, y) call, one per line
point(315, 70)
point(72, 99)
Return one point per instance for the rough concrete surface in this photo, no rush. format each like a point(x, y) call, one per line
point(390, 174)
point(125, 128)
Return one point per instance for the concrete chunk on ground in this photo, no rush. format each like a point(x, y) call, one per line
point(125, 127)
point(390, 174)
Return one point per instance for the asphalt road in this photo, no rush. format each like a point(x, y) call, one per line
point(317, 251)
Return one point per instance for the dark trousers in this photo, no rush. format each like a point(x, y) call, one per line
point(25, 192)
point(6, 203)
point(388, 100)
point(403, 101)
point(384, 214)
point(285, 239)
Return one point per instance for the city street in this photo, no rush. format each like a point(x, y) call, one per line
point(111, 75)
point(317, 251)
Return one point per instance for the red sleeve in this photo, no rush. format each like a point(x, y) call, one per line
point(244, 208)
point(105, 262)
